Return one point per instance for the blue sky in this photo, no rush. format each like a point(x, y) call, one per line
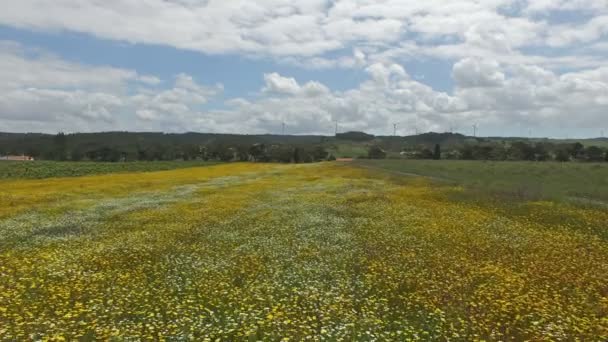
point(510, 66)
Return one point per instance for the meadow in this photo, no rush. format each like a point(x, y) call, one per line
point(49, 169)
point(314, 252)
point(510, 180)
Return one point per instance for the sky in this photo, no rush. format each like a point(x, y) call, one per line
point(511, 67)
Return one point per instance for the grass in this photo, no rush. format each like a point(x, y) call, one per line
point(349, 150)
point(511, 180)
point(274, 252)
point(48, 169)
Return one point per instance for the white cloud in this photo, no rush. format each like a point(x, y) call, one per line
point(39, 88)
point(277, 84)
point(473, 73)
point(508, 58)
point(304, 32)
point(32, 68)
point(44, 93)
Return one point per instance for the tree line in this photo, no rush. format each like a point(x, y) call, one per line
point(61, 149)
point(516, 150)
point(128, 146)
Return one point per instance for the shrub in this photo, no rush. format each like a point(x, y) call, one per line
point(375, 152)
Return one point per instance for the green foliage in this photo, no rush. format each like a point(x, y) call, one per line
point(124, 146)
point(594, 154)
point(49, 169)
point(576, 150)
point(355, 136)
point(437, 152)
point(562, 155)
point(60, 147)
point(281, 154)
point(375, 152)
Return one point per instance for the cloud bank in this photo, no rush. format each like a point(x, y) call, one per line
point(515, 63)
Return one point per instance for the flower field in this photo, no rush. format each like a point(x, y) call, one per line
point(293, 252)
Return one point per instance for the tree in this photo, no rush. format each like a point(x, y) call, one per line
point(190, 152)
point(425, 153)
point(319, 153)
point(375, 152)
point(76, 155)
point(594, 154)
point(222, 153)
point(60, 146)
point(297, 155)
point(437, 152)
point(281, 154)
point(521, 150)
point(258, 152)
point(540, 152)
point(576, 150)
point(466, 153)
point(355, 136)
point(562, 155)
point(242, 153)
point(105, 154)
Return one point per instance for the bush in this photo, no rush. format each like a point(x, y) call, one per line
point(375, 152)
point(355, 136)
point(562, 156)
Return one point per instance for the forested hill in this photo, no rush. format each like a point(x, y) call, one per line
point(123, 139)
point(21, 142)
point(111, 146)
point(36, 144)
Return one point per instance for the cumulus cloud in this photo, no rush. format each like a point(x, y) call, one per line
point(277, 84)
point(305, 32)
point(44, 93)
point(41, 88)
point(528, 62)
point(472, 73)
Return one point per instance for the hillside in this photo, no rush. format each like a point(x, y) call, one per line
point(350, 144)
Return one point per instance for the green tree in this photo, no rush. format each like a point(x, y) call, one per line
point(375, 152)
point(258, 152)
point(60, 146)
point(76, 154)
point(594, 154)
point(319, 153)
point(576, 150)
point(562, 155)
point(297, 155)
point(437, 152)
point(521, 150)
point(281, 154)
point(540, 152)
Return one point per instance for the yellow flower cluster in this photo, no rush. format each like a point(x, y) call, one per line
point(293, 252)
